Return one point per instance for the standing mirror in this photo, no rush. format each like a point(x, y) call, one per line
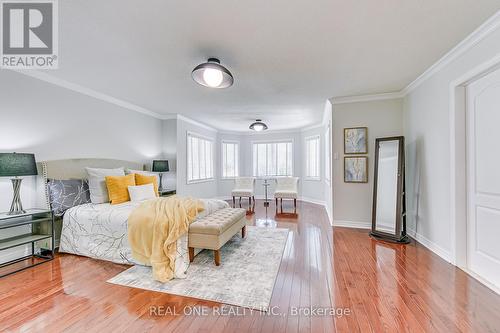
point(389, 204)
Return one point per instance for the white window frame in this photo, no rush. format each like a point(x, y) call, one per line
point(188, 155)
point(237, 159)
point(318, 157)
point(328, 154)
point(270, 142)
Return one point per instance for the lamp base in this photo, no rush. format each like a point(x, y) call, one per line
point(16, 208)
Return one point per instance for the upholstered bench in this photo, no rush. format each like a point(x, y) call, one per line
point(214, 230)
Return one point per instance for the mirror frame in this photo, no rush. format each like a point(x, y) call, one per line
point(400, 235)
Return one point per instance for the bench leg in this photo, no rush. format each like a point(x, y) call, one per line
point(240, 202)
point(217, 257)
point(276, 205)
point(253, 206)
point(295, 205)
point(191, 254)
point(243, 231)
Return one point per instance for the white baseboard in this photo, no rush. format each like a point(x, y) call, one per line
point(352, 224)
point(446, 255)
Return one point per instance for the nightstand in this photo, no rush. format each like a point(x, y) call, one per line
point(166, 193)
point(35, 218)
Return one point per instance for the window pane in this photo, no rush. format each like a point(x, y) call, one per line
point(272, 159)
point(200, 158)
point(229, 159)
point(312, 155)
point(262, 157)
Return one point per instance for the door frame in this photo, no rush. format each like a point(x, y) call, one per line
point(458, 163)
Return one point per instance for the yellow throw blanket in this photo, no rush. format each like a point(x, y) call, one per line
point(154, 228)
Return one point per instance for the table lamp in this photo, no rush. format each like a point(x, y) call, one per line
point(17, 165)
point(160, 166)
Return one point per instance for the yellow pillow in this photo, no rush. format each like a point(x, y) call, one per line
point(118, 188)
point(144, 180)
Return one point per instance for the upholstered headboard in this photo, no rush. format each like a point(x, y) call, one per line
point(75, 168)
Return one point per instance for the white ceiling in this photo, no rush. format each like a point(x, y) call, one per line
point(287, 56)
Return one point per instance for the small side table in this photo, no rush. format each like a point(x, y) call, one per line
point(166, 193)
point(35, 218)
point(266, 186)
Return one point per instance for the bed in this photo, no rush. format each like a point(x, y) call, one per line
point(99, 231)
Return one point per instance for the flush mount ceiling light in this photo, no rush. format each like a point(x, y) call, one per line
point(212, 74)
point(258, 126)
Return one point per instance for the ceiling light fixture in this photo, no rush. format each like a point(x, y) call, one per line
point(212, 74)
point(258, 126)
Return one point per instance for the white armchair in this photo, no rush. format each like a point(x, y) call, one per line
point(244, 187)
point(286, 188)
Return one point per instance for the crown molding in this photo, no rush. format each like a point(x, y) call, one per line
point(366, 98)
point(88, 92)
point(196, 123)
point(309, 128)
point(492, 24)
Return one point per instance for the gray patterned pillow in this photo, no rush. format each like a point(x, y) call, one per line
point(64, 194)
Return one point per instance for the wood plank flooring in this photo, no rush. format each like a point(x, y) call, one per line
point(372, 286)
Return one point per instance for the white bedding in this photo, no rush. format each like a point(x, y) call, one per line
point(100, 231)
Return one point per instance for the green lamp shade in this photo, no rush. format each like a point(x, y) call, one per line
point(15, 165)
point(160, 166)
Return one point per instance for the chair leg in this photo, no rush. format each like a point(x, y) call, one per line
point(191, 254)
point(234, 202)
point(253, 206)
point(276, 204)
point(281, 202)
point(240, 202)
point(295, 206)
point(249, 203)
point(217, 257)
point(243, 231)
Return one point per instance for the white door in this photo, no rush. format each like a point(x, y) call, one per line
point(483, 177)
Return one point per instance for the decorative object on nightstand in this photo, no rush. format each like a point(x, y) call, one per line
point(166, 193)
point(17, 165)
point(35, 218)
point(160, 166)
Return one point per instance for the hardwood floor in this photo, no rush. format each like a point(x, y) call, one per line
point(375, 287)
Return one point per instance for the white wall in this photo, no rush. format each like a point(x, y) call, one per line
point(57, 123)
point(205, 189)
point(427, 130)
point(352, 203)
point(169, 145)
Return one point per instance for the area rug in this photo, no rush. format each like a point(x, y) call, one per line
point(245, 277)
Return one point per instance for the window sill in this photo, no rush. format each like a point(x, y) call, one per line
point(313, 179)
point(198, 181)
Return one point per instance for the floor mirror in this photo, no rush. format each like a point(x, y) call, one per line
point(389, 199)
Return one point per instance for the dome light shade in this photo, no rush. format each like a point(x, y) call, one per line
point(212, 74)
point(258, 126)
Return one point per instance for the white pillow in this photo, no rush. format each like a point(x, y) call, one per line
point(141, 192)
point(97, 183)
point(145, 173)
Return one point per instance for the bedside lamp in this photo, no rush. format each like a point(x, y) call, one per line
point(160, 166)
point(17, 165)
